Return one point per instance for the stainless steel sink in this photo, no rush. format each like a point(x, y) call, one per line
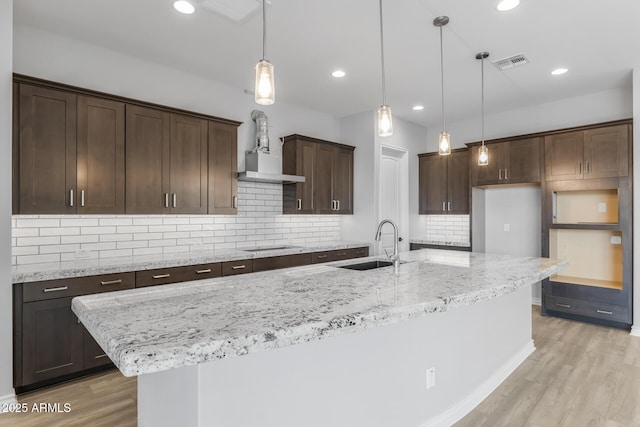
point(269, 248)
point(369, 265)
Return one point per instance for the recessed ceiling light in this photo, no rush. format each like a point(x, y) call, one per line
point(559, 71)
point(338, 73)
point(418, 107)
point(505, 5)
point(183, 6)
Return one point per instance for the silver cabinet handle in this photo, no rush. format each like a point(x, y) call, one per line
point(161, 276)
point(499, 173)
point(448, 206)
point(505, 174)
point(71, 197)
point(604, 312)
point(110, 282)
point(234, 202)
point(166, 200)
point(563, 305)
point(443, 206)
point(208, 270)
point(579, 167)
point(299, 204)
point(338, 205)
point(58, 289)
point(238, 267)
point(322, 256)
point(588, 166)
point(82, 199)
point(100, 356)
point(175, 200)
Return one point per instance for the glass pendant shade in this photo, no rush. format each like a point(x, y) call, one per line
point(444, 144)
point(385, 122)
point(483, 156)
point(265, 87)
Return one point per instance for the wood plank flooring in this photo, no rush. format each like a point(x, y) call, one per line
point(580, 375)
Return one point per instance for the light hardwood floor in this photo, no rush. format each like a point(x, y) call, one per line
point(580, 375)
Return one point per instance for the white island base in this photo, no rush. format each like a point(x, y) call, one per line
point(374, 377)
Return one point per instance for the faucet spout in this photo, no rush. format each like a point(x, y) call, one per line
point(396, 256)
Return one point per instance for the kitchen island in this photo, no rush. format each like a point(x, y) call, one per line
point(323, 345)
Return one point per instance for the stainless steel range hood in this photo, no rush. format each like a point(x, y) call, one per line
point(266, 167)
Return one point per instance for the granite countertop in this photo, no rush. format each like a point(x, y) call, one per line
point(440, 243)
point(158, 328)
point(92, 267)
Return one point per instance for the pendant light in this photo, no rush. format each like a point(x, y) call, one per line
point(483, 152)
point(265, 87)
point(444, 141)
point(385, 122)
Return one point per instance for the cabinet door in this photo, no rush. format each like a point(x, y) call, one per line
point(94, 355)
point(606, 152)
point(223, 168)
point(342, 180)
point(563, 155)
point(52, 340)
point(188, 165)
point(432, 184)
point(523, 163)
point(100, 159)
point(323, 179)
point(458, 183)
point(493, 173)
point(147, 160)
point(47, 151)
point(305, 166)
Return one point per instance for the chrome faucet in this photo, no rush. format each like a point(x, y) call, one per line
point(396, 256)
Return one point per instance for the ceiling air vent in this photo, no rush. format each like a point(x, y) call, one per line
point(236, 10)
point(511, 62)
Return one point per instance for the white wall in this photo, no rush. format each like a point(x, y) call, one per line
point(590, 108)
point(359, 130)
point(53, 57)
point(6, 322)
point(520, 209)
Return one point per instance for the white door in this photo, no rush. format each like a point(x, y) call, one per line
point(394, 196)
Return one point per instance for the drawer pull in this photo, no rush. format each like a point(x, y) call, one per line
point(110, 282)
point(238, 267)
point(61, 288)
point(341, 254)
point(563, 305)
point(322, 256)
point(208, 270)
point(100, 356)
point(604, 312)
point(161, 276)
point(360, 252)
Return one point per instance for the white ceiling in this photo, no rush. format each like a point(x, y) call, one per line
point(598, 40)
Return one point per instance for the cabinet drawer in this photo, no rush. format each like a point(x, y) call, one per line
point(230, 268)
point(359, 252)
point(615, 313)
point(319, 257)
point(285, 261)
point(163, 276)
point(340, 254)
point(73, 287)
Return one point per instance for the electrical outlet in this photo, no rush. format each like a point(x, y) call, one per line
point(431, 377)
point(602, 207)
point(616, 240)
point(506, 227)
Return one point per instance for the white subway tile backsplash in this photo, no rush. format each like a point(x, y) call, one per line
point(259, 222)
point(448, 228)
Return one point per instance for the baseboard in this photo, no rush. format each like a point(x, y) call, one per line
point(7, 400)
point(467, 404)
point(536, 301)
point(635, 331)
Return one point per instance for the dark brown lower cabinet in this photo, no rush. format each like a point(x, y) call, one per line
point(286, 261)
point(94, 355)
point(53, 340)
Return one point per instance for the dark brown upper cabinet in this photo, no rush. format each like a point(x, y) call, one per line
point(515, 161)
point(166, 162)
point(328, 171)
point(70, 153)
point(591, 153)
point(444, 183)
point(100, 156)
point(223, 168)
point(46, 151)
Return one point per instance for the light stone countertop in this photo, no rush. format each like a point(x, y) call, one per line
point(440, 243)
point(91, 267)
point(158, 328)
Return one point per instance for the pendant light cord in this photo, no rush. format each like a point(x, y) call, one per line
point(482, 96)
point(384, 89)
point(442, 79)
point(264, 28)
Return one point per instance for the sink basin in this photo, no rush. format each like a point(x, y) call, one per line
point(369, 265)
point(268, 248)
